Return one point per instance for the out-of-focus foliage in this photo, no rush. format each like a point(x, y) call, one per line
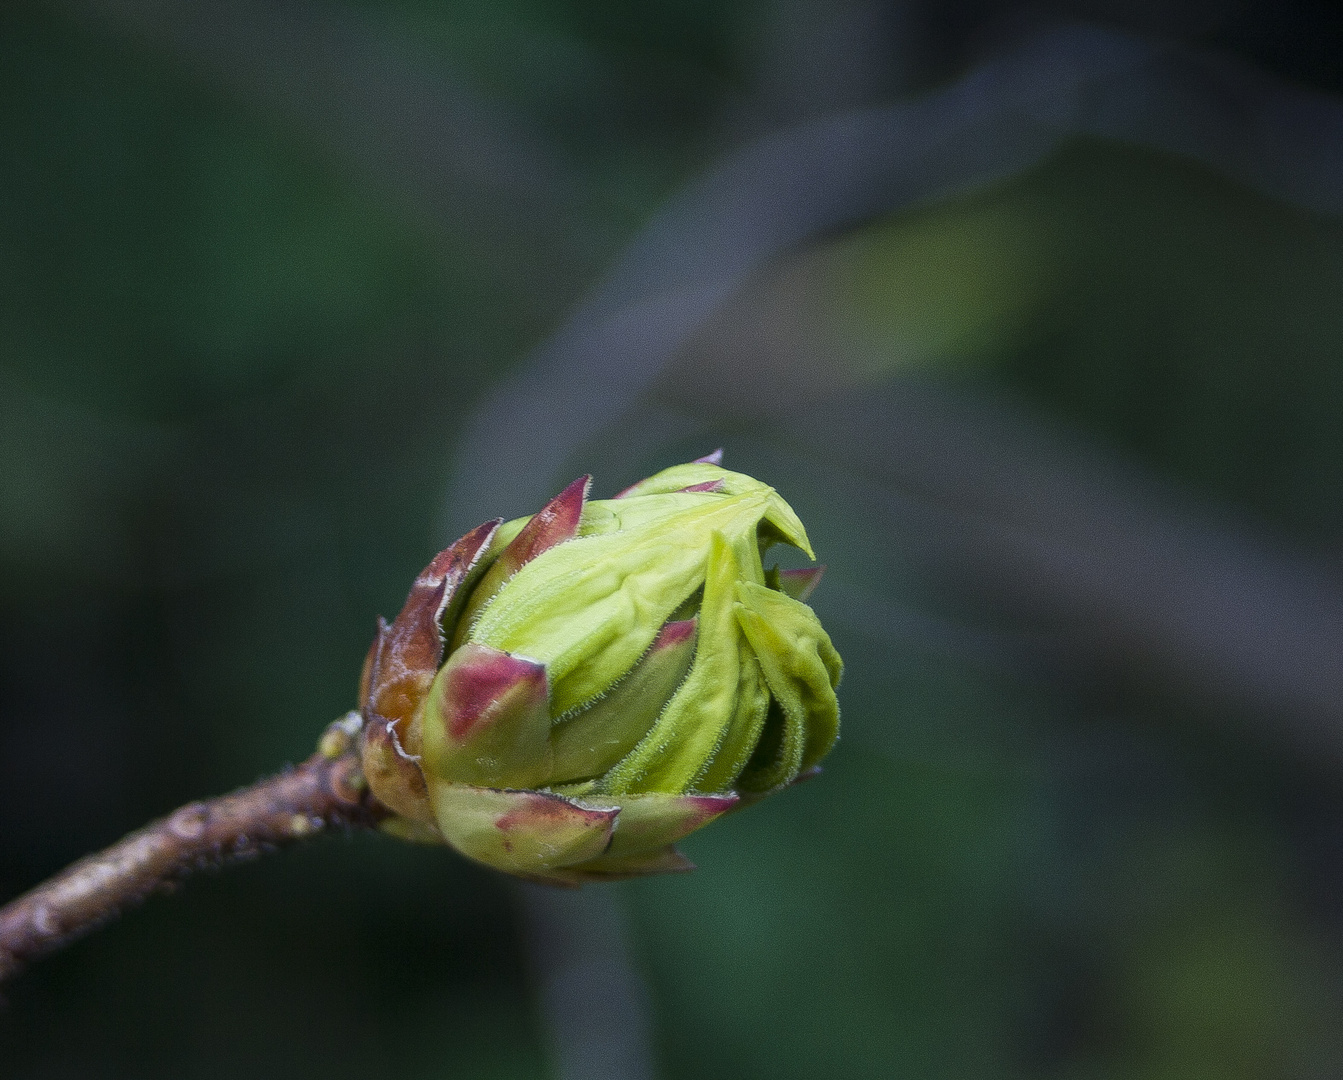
point(233, 368)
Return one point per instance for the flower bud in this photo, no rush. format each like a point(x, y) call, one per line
point(565, 696)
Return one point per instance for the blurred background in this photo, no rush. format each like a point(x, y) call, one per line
point(1035, 313)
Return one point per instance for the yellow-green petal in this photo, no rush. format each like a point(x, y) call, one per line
point(590, 742)
point(588, 609)
point(693, 724)
point(801, 667)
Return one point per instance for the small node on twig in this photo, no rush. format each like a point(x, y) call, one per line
point(338, 738)
point(298, 803)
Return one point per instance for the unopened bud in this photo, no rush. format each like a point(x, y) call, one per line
point(565, 696)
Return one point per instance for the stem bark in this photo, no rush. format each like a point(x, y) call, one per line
point(323, 792)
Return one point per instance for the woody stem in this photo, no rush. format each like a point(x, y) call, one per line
point(323, 792)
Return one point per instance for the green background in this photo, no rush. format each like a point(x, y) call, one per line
point(239, 344)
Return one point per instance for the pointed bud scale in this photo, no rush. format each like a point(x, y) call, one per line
point(407, 654)
point(619, 673)
point(553, 524)
point(400, 667)
point(393, 775)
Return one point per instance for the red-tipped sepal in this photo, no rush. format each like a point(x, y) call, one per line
point(651, 822)
point(520, 832)
point(645, 831)
point(487, 720)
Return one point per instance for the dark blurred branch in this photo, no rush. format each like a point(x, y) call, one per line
point(803, 184)
point(325, 791)
point(1121, 563)
point(1131, 568)
point(594, 1003)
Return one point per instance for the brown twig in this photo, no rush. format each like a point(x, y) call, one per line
point(326, 790)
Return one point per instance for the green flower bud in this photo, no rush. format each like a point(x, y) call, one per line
point(565, 696)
